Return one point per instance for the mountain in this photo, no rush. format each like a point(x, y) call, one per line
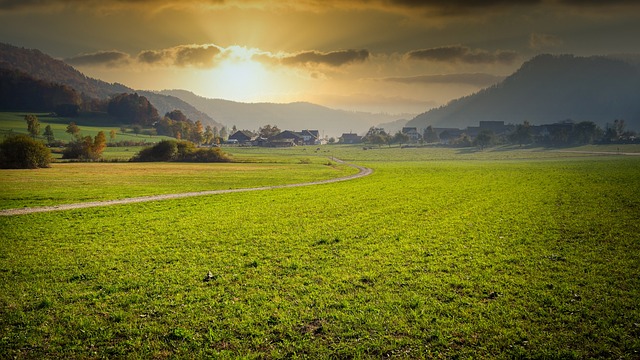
point(43, 67)
point(548, 89)
point(292, 116)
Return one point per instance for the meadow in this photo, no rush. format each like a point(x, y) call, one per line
point(89, 123)
point(440, 253)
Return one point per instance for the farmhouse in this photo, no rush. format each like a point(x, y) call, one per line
point(286, 138)
point(412, 133)
point(241, 137)
point(350, 138)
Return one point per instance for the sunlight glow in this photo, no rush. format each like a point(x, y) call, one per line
point(239, 77)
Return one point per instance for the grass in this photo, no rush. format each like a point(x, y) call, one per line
point(81, 182)
point(90, 124)
point(526, 255)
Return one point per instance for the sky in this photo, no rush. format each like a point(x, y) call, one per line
point(392, 56)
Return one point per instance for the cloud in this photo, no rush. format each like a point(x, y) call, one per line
point(333, 58)
point(408, 7)
point(100, 58)
point(540, 41)
point(475, 79)
point(463, 54)
point(202, 56)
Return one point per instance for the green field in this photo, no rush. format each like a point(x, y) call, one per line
point(441, 253)
point(90, 124)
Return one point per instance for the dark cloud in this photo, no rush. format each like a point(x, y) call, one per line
point(334, 58)
point(476, 79)
point(101, 58)
point(463, 54)
point(151, 57)
point(183, 55)
point(201, 56)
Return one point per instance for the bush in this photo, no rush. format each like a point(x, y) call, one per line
point(165, 150)
point(23, 152)
point(183, 151)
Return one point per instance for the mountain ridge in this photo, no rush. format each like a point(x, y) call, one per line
point(298, 115)
point(548, 89)
point(44, 67)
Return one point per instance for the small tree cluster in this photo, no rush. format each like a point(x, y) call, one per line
point(22, 152)
point(86, 148)
point(182, 151)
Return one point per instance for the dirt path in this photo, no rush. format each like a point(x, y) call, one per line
point(363, 171)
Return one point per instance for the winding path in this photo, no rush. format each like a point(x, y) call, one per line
point(363, 171)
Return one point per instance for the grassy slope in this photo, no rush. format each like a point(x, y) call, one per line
point(531, 258)
point(90, 124)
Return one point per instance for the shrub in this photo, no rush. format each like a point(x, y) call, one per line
point(23, 152)
point(184, 151)
point(165, 150)
point(86, 148)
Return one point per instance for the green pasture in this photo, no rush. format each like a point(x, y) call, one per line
point(440, 253)
point(89, 123)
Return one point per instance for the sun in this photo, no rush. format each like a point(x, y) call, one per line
point(240, 78)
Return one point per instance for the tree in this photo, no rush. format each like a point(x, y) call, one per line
point(208, 135)
point(197, 135)
point(268, 131)
point(86, 148)
point(376, 136)
point(112, 134)
point(430, 135)
point(137, 129)
point(22, 152)
point(522, 134)
point(133, 109)
point(234, 129)
point(48, 134)
point(73, 129)
point(400, 138)
point(484, 138)
point(99, 143)
point(223, 133)
point(585, 132)
point(33, 125)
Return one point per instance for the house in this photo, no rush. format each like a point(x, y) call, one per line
point(310, 137)
point(241, 137)
point(350, 138)
point(497, 127)
point(412, 133)
point(286, 138)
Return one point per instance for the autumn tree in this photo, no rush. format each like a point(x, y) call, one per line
point(86, 148)
point(73, 129)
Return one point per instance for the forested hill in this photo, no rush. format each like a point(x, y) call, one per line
point(547, 89)
point(43, 67)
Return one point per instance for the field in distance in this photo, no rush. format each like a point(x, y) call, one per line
point(440, 253)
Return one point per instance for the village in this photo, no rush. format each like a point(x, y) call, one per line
point(486, 133)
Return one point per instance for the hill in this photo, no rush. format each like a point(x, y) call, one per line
point(43, 67)
point(294, 116)
point(549, 89)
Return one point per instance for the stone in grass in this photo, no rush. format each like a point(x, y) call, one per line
point(209, 276)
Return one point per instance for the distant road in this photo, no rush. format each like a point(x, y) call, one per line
point(363, 171)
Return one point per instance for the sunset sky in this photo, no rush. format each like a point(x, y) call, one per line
point(396, 56)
